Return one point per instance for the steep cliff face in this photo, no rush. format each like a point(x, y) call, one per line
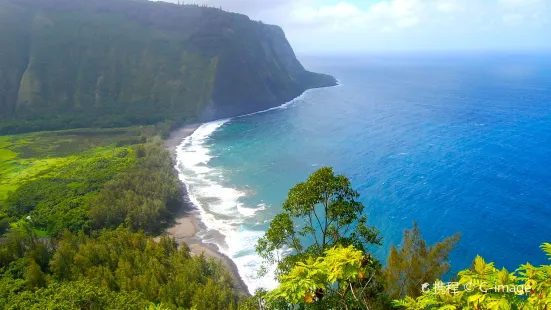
point(81, 63)
point(262, 75)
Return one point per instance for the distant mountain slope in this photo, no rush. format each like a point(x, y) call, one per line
point(87, 63)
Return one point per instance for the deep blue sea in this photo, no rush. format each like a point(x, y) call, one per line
point(459, 143)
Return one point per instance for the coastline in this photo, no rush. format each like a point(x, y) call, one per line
point(187, 222)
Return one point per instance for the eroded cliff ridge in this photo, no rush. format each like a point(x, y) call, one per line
point(107, 63)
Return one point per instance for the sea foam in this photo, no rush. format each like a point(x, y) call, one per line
point(220, 208)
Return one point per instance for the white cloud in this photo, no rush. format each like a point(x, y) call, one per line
point(335, 16)
point(449, 6)
point(402, 24)
point(394, 14)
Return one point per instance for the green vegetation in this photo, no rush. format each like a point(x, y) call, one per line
point(70, 295)
point(336, 270)
point(26, 157)
point(56, 179)
point(142, 198)
point(337, 279)
point(416, 263)
point(332, 215)
point(77, 214)
point(340, 274)
point(80, 208)
point(483, 286)
point(346, 276)
point(87, 69)
point(110, 270)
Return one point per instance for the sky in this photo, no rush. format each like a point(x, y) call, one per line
point(329, 26)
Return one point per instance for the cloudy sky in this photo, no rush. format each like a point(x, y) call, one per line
point(329, 26)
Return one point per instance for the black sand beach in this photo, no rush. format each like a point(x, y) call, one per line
point(188, 220)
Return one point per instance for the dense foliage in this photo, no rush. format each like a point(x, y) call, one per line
point(75, 222)
point(145, 197)
point(337, 279)
point(60, 202)
point(342, 277)
point(416, 263)
point(483, 286)
point(131, 185)
point(77, 208)
point(110, 270)
point(328, 210)
point(330, 266)
point(74, 295)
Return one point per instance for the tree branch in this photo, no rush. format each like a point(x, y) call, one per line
point(312, 225)
point(320, 226)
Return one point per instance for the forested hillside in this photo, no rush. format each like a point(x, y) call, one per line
point(112, 63)
point(78, 213)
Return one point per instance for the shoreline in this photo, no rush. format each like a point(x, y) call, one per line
point(187, 221)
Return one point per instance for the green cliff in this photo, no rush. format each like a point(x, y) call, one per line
point(108, 63)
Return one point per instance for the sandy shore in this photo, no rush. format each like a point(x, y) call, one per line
point(177, 136)
point(188, 222)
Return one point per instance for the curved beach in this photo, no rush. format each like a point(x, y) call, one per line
point(187, 221)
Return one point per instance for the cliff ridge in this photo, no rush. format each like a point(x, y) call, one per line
point(111, 63)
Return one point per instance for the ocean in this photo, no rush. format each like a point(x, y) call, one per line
point(456, 142)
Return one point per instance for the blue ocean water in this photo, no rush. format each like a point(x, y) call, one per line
point(459, 143)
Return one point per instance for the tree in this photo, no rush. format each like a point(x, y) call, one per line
point(415, 263)
point(21, 242)
point(4, 225)
point(328, 210)
point(160, 270)
point(77, 295)
point(34, 276)
point(328, 213)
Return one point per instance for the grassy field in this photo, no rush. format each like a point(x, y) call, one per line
point(57, 173)
point(27, 157)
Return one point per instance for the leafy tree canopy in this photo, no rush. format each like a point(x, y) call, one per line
point(327, 211)
point(338, 279)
